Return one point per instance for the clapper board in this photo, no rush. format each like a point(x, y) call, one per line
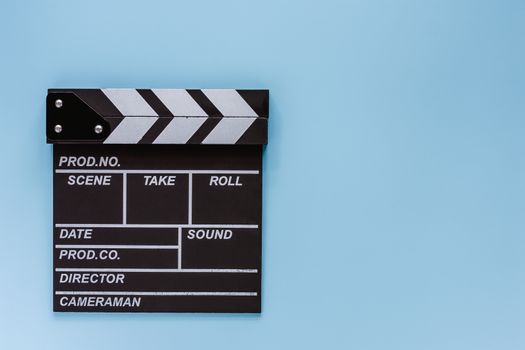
point(157, 199)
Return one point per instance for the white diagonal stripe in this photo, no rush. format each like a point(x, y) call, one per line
point(131, 130)
point(180, 129)
point(129, 102)
point(179, 102)
point(228, 131)
point(229, 103)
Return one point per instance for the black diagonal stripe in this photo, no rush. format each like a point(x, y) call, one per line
point(205, 103)
point(155, 103)
point(204, 131)
point(153, 132)
point(95, 99)
point(258, 100)
point(114, 122)
point(210, 110)
point(257, 133)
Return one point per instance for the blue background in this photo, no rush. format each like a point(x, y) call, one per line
point(394, 178)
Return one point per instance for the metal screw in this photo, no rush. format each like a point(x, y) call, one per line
point(58, 103)
point(58, 128)
point(98, 129)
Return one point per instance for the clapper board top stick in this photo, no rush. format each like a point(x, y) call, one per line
point(157, 199)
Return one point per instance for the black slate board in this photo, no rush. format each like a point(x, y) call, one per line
point(157, 228)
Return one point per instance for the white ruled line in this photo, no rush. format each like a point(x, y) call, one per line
point(153, 171)
point(156, 226)
point(124, 198)
point(79, 269)
point(190, 199)
point(179, 255)
point(161, 294)
point(114, 246)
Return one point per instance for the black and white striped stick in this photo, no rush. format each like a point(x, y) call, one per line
point(157, 116)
